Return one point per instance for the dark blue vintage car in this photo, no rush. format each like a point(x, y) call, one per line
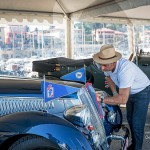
point(71, 122)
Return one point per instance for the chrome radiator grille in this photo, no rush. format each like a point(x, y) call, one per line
point(86, 99)
point(10, 105)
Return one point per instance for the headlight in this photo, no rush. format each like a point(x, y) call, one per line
point(78, 115)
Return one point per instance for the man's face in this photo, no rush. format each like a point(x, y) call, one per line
point(107, 67)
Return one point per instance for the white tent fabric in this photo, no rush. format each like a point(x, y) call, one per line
point(18, 17)
point(30, 10)
point(76, 10)
point(114, 9)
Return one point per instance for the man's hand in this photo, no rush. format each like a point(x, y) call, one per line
point(98, 95)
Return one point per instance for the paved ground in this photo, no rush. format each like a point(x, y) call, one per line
point(146, 144)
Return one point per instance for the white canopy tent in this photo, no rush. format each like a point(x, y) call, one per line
point(81, 10)
point(128, 11)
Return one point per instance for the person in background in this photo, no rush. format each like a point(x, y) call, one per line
point(134, 90)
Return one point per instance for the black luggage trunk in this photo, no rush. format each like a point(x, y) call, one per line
point(59, 66)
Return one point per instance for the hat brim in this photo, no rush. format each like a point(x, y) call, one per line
point(107, 61)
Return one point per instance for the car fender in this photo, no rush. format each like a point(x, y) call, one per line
point(46, 125)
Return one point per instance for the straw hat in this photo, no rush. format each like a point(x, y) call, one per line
point(107, 55)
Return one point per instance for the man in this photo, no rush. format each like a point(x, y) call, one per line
point(134, 90)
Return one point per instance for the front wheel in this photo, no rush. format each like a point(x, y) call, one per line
point(33, 142)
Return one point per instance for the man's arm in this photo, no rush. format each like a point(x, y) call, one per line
point(111, 84)
point(120, 98)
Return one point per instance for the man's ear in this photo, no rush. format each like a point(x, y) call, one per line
point(114, 65)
